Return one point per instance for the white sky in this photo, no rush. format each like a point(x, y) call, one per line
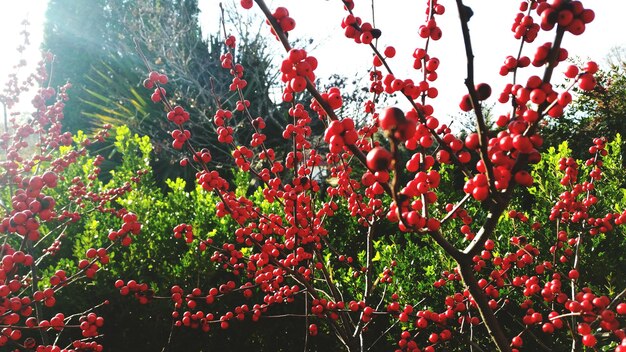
point(398, 20)
point(12, 14)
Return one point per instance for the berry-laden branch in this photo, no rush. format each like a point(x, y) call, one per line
point(45, 196)
point(500, 203)
point(284, 247)
point(281, 35)
point(465, 14)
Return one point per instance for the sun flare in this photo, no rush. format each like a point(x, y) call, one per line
point(21, 25)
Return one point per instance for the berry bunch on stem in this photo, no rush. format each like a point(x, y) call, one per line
point(42, 201)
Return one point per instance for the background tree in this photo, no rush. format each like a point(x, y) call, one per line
point(600, 111)
point(169, 33)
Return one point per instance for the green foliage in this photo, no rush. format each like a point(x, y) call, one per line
point(161, 260)
point(603, 252)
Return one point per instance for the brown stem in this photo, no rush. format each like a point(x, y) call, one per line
point(34, 285)
point(369, 256)
point(345, 319)
point(491, 322)
point(371, 231)
point(481, 126)
point(485, 232)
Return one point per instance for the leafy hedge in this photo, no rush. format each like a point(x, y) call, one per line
point(161, 260)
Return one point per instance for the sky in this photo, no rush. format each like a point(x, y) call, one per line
point(12, 14)
point(398, 20)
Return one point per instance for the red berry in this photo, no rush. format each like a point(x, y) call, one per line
point(466, 103)
point(483, 91)
point(589, 340)
point(390, 118)
point(523, 178)
point(379, 159)
point(571, 72)
point(390, 51)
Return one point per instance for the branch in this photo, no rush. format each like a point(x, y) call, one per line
point(485, 232)
point(491, 322)
point(481, 127)
point(309, 85)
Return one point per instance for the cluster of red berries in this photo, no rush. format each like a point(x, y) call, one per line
point(431, 64)
point(28, 203)
point(286, 23)
point(339, 134)
point(570, 170)
point(226, 60)
point(396, 124)
point(10, 260)
point(180, 137)
point(478, 187)
point(225, 134)
point(89, 325)
point(332, 97)
point(194, 320)
point(586, 79)
point(387, 276)
point(154, 80)
point(57, 322)
point(525, 28)
point(85, 346)
point(359, 31)
point(391, 84)
point(568, 14)
point(411, 211)
point(202, 156)
point(185, 230)
point(483, 92)
point(296, 69)
point(89, 265)
point(570, 208)
point(8, 334)
point(542, 55)
point(242, 156)
point(420, 161)
point(178, 115)
point(130, 226)
point(511, 64)
point(222, 115)
point(430, 29)
point(465, 218)
point(454, 148)
point(230, 42)
point(101, 253)
point(593, 308)
point(141, 291)
point(210, 180)
point(238, 82)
